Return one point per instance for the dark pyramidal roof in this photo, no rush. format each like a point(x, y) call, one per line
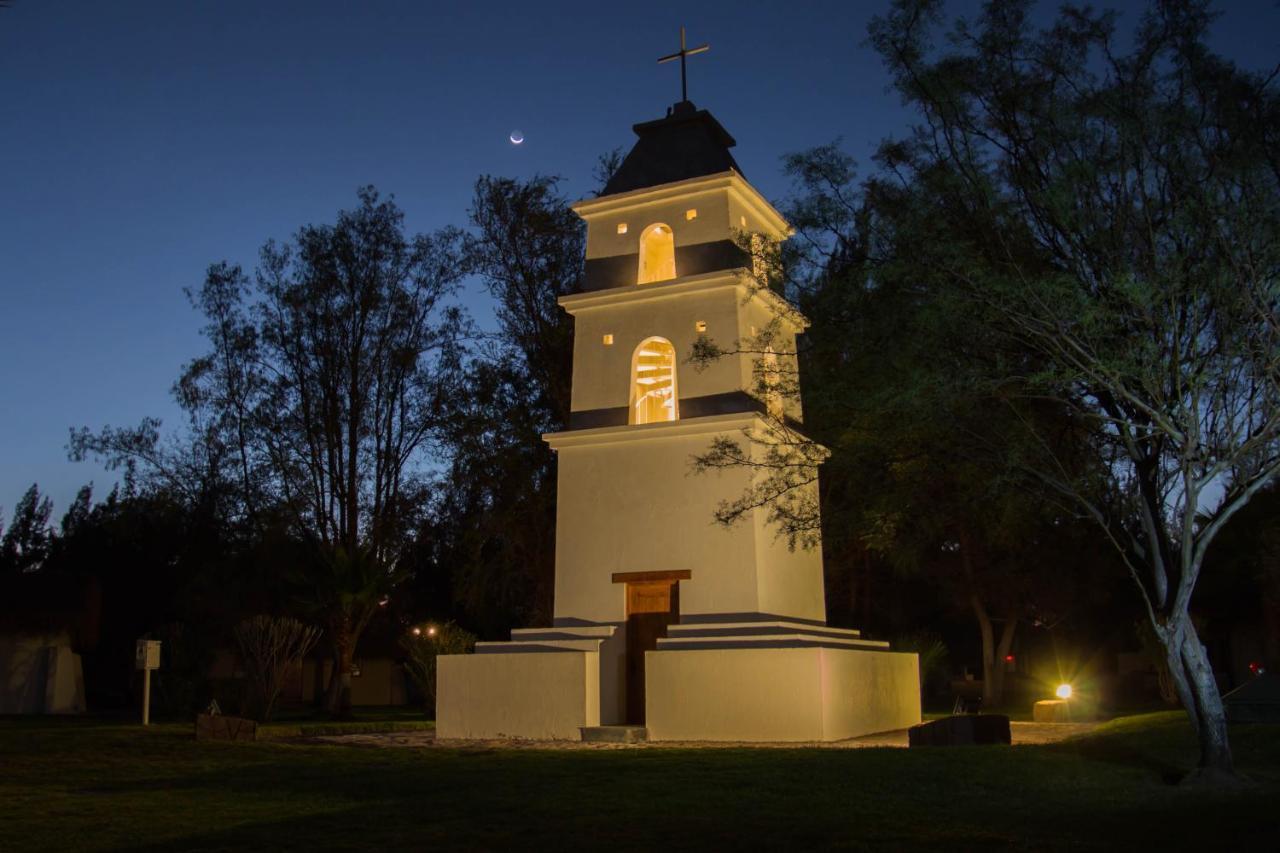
point(687, 143)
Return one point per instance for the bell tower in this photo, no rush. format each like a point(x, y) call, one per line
point(666, 623)
point(666, 264)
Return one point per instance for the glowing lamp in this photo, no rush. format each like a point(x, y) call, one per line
point(431, 632)
point(417, 632)
point(1064, 691)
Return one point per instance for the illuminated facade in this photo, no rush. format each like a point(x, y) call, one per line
point(663, 618)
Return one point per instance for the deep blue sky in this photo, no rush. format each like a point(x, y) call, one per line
point(140, 141)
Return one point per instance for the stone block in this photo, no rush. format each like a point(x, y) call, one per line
point(1052, 711)
point(219, 727)
point(962, 730)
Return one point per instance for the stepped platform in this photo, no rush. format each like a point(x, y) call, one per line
point(614, 734)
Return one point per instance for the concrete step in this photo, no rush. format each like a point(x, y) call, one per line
point(717, 629)
point(573, 632)
point(766, 641)
point(614, 734)
point(515, 646)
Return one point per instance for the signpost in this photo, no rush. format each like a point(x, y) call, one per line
point(146, 659)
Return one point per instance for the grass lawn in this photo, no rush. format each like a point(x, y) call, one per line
point(70, 784)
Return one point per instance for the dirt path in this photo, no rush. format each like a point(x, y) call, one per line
point(1024, 734)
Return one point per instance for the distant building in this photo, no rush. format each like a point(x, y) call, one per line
point(46, 620)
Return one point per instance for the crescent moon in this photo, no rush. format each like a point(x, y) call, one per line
point(516, 137)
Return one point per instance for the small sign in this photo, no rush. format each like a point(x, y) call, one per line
point(148, 654)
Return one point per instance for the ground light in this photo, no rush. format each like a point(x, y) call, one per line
point(1063, 691)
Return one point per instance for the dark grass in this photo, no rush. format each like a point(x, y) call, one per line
point(86, 785)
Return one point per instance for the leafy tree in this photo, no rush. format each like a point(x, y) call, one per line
point(78, 514)
point(1116, 214)
point(916, 445)
point(26, 544)
point(315, 408)
point(495, 518)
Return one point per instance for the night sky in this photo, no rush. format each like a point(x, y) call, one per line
point(141, 141)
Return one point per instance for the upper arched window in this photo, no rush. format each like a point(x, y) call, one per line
point(657, 253)
point(653, 382)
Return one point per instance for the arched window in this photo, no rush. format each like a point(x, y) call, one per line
point(657, 253)
point(772, 377)
point(653, 382)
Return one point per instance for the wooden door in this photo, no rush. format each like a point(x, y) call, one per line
point(651, 607)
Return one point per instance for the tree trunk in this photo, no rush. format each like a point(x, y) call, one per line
point(1198, 690)
point(993, 654)
point(338, 698)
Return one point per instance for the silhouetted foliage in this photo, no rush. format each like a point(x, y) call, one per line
point(313, 412)
point(25, 545)
point(494, 522)
point(1116, 214)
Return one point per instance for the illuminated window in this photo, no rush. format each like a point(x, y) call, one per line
point(608, 340)
point(742, 220)
point(700, 326)
point(622, 228)
point(772, 376)
point(691, 213)
point(653, 382)
point(657, 254)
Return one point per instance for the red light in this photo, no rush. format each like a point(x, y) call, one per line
point(1255, 667)
point(1008, 658)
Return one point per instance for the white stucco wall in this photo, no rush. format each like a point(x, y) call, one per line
point(723, 203)
point(536, 695)
point(789, 581)
point(635, 506)
point(779, 694)
point(602, 373)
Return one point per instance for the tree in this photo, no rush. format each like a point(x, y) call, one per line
point(1117, 215)
point(26, 544)
point(315, 408)
point(916, 446)
point(494, 522)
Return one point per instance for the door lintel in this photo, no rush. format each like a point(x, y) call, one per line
point(643, 577)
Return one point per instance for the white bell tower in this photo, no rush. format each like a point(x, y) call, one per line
point(664, 620)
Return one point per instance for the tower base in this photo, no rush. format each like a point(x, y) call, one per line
point(766, 681)
point(776, 694)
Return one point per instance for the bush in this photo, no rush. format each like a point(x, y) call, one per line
point(269, 645)
point(423, 645)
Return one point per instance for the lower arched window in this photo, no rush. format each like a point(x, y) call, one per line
point(653, 382)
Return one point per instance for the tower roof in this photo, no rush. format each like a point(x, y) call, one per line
point(687, 143)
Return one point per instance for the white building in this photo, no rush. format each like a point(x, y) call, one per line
point(664, 619)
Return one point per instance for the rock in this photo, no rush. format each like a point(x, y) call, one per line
point(962, 730)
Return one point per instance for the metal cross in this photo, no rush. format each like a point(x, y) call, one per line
point(680, 55)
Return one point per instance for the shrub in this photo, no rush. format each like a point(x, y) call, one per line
point(269, 645)
point(423, 645)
